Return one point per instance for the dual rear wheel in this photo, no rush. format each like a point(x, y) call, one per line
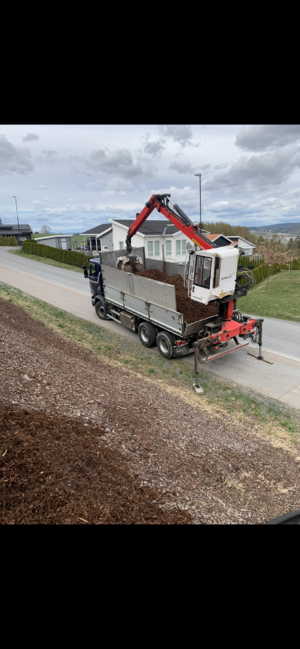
point(164, 340)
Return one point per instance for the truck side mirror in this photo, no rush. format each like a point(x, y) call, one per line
point(85, 271)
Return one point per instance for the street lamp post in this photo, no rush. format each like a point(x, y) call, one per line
point(200, 195)
point(18, 221)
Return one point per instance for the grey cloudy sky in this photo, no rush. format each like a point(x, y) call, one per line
point(75, 177)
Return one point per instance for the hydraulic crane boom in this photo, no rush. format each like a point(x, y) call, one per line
point(176, 216)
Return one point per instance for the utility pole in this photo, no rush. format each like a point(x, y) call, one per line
point(200, 195)
point(18, 222)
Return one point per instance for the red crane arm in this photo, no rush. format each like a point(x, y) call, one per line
point(180, 220)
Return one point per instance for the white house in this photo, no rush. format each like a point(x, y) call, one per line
point(153, 235)
point(62, 241)
point(243, 244)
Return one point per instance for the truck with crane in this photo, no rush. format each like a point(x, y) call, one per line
point(148, 307)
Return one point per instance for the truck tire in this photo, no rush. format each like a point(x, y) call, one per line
point(101, 309)
point(164, 342)
point(147, 334)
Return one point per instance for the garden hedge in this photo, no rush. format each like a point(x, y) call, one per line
point(261, 272)
point(66, 256)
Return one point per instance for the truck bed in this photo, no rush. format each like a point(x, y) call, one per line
point(149, 299)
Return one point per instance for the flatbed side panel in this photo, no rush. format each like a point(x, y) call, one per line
point(141, 287)
point(158, 315)
point(199, 325)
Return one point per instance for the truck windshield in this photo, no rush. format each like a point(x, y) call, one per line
point(202, 271)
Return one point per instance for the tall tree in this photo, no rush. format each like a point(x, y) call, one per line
point(272, 254)
point(291, 254)
point(45, 229)
point(297, 244)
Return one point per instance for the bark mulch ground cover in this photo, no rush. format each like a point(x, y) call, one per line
point(55, 470)
point(84, 441)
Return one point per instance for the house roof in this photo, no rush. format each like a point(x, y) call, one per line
point(152, 227)
point(219, 240)
point(214, 237)
point(12, 229)
point(237, 237)
point(98, 229)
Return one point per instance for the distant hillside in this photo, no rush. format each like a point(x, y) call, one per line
point(288, 228)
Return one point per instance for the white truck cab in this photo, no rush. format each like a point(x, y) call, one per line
point(212, 274)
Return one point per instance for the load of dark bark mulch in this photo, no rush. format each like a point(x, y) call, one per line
point(55, 470)
point(192, 311)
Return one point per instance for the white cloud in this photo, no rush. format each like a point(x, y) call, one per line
point(30, 137)
point(182, 167)
point(42, 187)
point(154, 148)
point(185, 197)
point(181, 133)
point(257, 172)
point(262, 138)
point(14, 159)
point(222, 165)
point(113, 185)
point(49, 153)
point(118, 162)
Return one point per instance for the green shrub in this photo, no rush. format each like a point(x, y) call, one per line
point(8, 241)
point(249, 261)
point(66, 256)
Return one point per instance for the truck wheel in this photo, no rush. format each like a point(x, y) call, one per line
point(147, 334)
point(101, 309)
point(164, 342)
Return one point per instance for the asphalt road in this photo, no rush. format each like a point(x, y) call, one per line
point(58, 276)
point(279, 336)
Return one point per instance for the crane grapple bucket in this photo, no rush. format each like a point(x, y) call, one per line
point(130, 264)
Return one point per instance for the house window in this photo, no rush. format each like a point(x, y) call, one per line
point(150, 248)
point(183, 246)
point(178, 247)
point(156, 248)
point(121, 245)
point(168, 248)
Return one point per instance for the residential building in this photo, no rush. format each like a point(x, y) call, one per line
point(243, 244)
point(155, 236)
point(13, 231)
point(100, 237)
point(220, 240)
point(62, 241)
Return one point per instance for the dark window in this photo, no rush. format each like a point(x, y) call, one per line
point(217, 272)
point(93, 270)
point(202, 271)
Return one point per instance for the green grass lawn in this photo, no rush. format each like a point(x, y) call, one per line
point(50, 262)
point(36, 236)
point(281, 301)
